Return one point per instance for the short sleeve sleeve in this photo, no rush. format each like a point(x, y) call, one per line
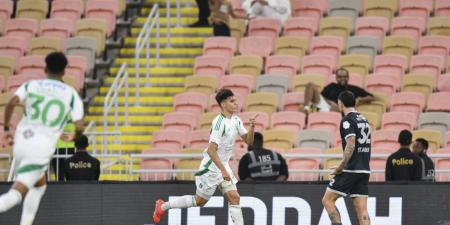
point(22, 92)
point(348, 128)
point(217, 130)
point(241, 128)
point(77, 108)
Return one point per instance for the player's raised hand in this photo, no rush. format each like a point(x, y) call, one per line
point(9, 138)
point(253, 120)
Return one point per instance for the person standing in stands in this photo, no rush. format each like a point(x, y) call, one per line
point(203, 14)
point(82, 166)
point(262, 164)
point(221, 13)
point(403, 165)
point(420, 148)
point(277, 9)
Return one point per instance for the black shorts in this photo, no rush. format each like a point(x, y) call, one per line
point(353, 184)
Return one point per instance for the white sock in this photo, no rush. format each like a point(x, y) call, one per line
point(236, 214)
point(9, 200)
point(182, 202)
point(31, 204)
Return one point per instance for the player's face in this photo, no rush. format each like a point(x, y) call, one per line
point(342, 78)
point(230, 105)
point(416, 148)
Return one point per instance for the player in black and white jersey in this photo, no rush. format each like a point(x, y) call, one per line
point(352, 174)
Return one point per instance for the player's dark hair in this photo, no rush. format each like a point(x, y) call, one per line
point(347, 98)
point(223, 94)
point(342, 71)
point(405, 137)
point(56, 62)
point(423, 142)
point(82, 142)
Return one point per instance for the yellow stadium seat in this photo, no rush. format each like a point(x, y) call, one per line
point(378, 106)
point(434, 138)
point(373, 118)
point(206, 119)
point(250, 65)
point(297, 46)
point(7, 65)
point(403, 45)
point(202, 84)
point(439, 26)
point(300, 81)
point(356, 63)
point(262, 102)
point(422, 83)
point(281, 140)
point(340, 26)
point(238, 28)
point(45, 45)
point(33, 9)
point(383, 8)
point(329, 164)
point(95, 28)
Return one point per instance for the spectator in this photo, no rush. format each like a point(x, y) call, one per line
point(326, 100)
point(221, 11)
point(403, 165)
point(203, 14)
point(82, 166)
point(420, 148)
point(262, 164)
point(278, 9)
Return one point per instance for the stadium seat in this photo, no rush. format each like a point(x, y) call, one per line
point(2, 83)
point(315, 138)
point(377, 165)
point(205, 120)
point(33, 9)
point(356, 63)
point(300, 81)
point(224, 46)
point(416, 8)
point(403, 45)
point(282, 65)
point(340, 26)
point(155, 164)
point(378, 106)
point(238, 27)
point(277, 84)
point(183, 121)
point(6, 9)
point(297, 46)
point(13, 46)
point(261, 122)
point(292, 101)
point(390, 64)
point(443, 164)
point(413, 102)
point(424, 84)
point(427, 64)
point(399, 121)
point(435, 45)
point(240, 84)
point(105, 10)
point(447, 139)
point(319, 64)
point(83, 46)
point(265, 27)
point(303, 164)
point(373, 118)
point(169, 139)
point(250, 65)
point(67, 9)
point(72, 81)
point(214, 106)
point(438, 102)
point(439, 25)
point(408, 26)
point(329, 164)
point(7, 65)
point(45, 45)
point(435, 121)
point(442, 8)
point(257, 46)
point(310, 8)
point(57, 27)
point(262, 102)
point(280, 140)
point(372, 26)
point(32, 64)
point(199, 139)
point(324, 120)
point(214, 65)
point(327, 45)
point(444, 83)
point(201, 83)
point(94, 28)
point(348, 8)
point(190, 102)
point(301, 27)
point(366, 45)
point(384, 8)
point(434, 138)
point(383, 83)
point(387, 139)
point(14, 82)
point(293, 121)
point(77, 67)
point(22, 27)
point(188, 164)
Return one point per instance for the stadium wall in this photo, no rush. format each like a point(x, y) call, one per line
point(263, 204)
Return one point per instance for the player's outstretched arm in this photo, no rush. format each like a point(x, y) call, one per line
point(212, 152)
point(348, 152)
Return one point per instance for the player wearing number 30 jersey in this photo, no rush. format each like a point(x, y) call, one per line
point(49, 104)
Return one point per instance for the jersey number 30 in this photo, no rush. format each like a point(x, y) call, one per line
point(40, 112)
point(365, 133)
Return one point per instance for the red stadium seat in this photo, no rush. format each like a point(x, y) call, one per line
point(22, 27)
point(387, 139)
point(417, 8)
point(183, 121)
point(282, 65)
point(372, 26)
point(6, 9)
point(444, 83)
point(443, 164)
point(316, 138)
point(193, 102)
point(257, 46)
point(169, 139)
point(57, 27)
point(265, 27)
point(439, 102)
point(427, 64)
point(68, 9)
point(442, 8)
point(318, 64)
point(310, 8)
point(32, 64)
point(292, 101)
point(106, 10)
point(13, 46)
point(155, 164)
point(301, 27)
point(14, 82)
point(224, 46)
point(211, 65)
point(413, 102)
point(408, 26)
point(294, 121)
point(327, 45)
point(390, 64)
point(77, 68)
point(384, 83)
point(399, 121)
point(214, 107)
point(199, 139)
point(377, 164)
point(240, 84)
point(303, 164)
point(324, 120)
point(261, 123)
point(435, 45)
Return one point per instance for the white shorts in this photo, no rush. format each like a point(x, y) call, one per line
point(208, 182)
point(323, 105)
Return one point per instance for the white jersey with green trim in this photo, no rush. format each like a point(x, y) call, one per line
point(224, 132)
point(49, 104)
